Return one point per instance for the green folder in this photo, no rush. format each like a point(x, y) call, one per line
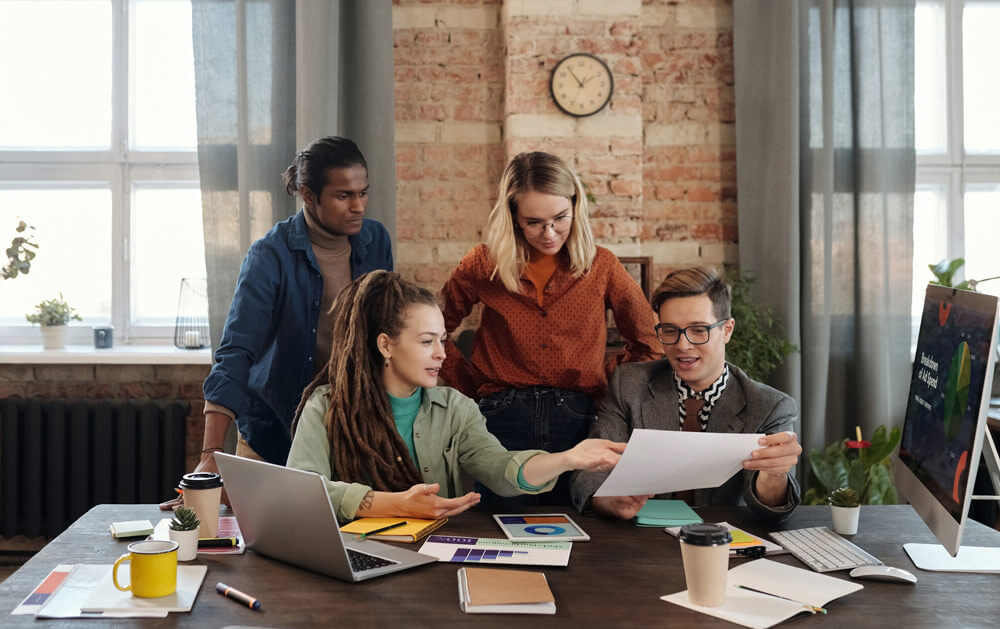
point(666, 513)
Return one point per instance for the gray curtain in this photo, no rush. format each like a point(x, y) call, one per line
point(271, 76)
point(825, 176)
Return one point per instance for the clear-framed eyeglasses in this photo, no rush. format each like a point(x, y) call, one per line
point(695, 334)
point(559, 225)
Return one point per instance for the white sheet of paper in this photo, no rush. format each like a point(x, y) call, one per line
point(662, 461)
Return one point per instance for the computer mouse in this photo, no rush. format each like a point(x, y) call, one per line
point(883, 573)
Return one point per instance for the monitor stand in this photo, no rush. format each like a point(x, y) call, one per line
point(934, 557)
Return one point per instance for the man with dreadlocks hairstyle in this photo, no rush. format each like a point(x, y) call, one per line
point(389, 440)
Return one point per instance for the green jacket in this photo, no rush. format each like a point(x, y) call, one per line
point(450, 438)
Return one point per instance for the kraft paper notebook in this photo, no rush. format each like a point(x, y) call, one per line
point(497, 591)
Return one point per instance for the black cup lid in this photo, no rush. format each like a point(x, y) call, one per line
point(201, 480)
point(705, 535)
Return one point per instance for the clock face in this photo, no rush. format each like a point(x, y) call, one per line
point(581, 84)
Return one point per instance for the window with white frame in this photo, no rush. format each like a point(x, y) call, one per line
point(957, 97)
point(98, 154)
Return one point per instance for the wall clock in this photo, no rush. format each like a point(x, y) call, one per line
point(581, 84)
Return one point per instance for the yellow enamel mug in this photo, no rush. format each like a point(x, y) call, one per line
point(152, 568)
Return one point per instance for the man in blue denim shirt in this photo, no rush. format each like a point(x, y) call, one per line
point(276, 338)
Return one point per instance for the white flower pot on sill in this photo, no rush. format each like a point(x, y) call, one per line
point(845, 519)
point(54, 336)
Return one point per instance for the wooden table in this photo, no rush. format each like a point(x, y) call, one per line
point(614, 580)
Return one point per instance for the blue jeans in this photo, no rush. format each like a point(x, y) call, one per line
point(539, 418)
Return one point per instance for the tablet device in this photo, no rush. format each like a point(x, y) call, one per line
point(540, 527)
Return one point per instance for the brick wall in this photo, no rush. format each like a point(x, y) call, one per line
point(115, 382)
point(472, 89)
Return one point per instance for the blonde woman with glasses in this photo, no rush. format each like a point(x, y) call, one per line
point(538, 362)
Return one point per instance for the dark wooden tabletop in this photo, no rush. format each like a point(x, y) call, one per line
point(613, 580)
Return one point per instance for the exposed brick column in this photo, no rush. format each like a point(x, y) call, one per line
point(689, 157)
point(449, 104)
point(606, 148)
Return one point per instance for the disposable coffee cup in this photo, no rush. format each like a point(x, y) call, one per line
point(203, 493)
point(705, 552)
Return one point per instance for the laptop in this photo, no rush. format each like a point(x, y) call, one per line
point(286, 514)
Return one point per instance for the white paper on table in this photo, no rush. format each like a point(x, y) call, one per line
point(663, 461)
point(77, 588)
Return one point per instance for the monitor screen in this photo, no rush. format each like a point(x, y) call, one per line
point(946, 410)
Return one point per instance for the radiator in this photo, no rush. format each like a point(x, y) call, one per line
point(60, 457)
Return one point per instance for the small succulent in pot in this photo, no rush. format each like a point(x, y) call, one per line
point(185, 519)
point(844, 497)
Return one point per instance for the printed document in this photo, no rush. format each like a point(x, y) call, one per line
point(663, 461)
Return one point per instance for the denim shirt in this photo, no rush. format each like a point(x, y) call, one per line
point(450, 438)
point(264, 360)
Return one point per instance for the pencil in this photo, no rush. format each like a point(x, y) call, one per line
point(811, 608)
point(379, 530)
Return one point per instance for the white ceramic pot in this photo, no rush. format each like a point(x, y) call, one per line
point(845, 519)
point(187, 544)
point(54, 336)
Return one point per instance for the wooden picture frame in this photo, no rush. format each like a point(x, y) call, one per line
point(640, 268)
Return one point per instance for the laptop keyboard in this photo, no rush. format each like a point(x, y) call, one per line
point(823, 550)
point(363, 561)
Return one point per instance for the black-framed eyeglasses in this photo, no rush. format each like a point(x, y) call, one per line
point(559, 225)
point(695, 334)
point(753, 552)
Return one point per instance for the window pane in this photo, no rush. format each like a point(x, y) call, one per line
point(930, 81)
point(73, 233)
point(166, 226)
point(163, 75)
point(982, 225)
point(930, 246)
point(980, 51)
point(55, 74)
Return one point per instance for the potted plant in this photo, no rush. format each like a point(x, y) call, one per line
point(54, 316)
point(19, 256)
point(863, 466)
point(758, 344)
point(184, 531)
point(845, 506)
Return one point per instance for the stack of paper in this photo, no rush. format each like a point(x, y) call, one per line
point(132, 528)
point(87, 591)
point(666, 513)
point(490, 591)
point(413, 530)
point(762, 593)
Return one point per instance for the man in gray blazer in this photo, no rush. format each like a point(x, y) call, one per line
point(694, 389)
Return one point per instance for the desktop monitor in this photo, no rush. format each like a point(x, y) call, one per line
point(945, 427)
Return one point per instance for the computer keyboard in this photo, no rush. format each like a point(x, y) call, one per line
point(823, 550)
point(363, 561)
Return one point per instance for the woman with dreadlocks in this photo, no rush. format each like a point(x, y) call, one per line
point(389, 440)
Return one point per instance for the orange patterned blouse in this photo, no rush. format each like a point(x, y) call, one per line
point(561, 343)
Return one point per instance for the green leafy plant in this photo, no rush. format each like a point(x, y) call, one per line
point(19, 253)
point(844, 497)
point(758, 344)
point(53, 312)
point(862, 466)
point(185, 519)
point(944, 272)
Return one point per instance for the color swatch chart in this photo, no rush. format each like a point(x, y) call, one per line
point(496, 551)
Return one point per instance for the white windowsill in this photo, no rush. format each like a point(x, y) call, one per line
point(118, 355)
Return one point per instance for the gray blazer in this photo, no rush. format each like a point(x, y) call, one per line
point(644, 395)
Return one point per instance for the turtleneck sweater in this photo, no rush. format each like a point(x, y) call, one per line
point(333, 255)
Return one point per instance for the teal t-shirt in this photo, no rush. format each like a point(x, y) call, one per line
point(404, 410)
